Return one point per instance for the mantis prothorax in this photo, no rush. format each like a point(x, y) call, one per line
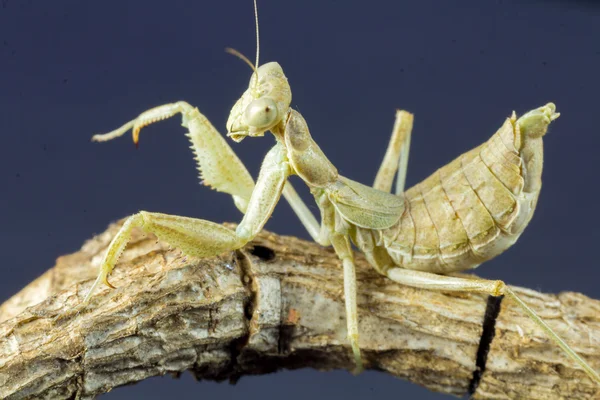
point(465, 213)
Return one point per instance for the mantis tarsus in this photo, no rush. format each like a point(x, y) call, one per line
point(465, 213)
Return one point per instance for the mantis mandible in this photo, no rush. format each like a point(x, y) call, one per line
point(465, 213)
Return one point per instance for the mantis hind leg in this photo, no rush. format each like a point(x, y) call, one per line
point(426, 280)
point(396, 155)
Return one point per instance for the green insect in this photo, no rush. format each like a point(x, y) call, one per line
point(464, 214)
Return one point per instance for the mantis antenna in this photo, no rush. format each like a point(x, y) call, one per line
point(243, 57)
point(257, 36)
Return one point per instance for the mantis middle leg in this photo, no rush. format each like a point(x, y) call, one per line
point(396, 155)
point(318, 232)
point(342, 247)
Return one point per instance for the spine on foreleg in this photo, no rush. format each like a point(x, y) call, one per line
point(475, 207)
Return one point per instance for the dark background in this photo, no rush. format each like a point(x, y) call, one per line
point(69, 69)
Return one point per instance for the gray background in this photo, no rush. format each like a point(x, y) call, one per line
point(69, 69)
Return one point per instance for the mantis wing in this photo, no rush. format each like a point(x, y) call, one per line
point(365, 206)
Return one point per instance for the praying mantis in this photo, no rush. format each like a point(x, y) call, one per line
point(464, 214)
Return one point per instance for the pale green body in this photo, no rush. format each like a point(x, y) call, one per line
point(465, 213)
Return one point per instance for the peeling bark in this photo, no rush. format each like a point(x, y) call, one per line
point(278, 303)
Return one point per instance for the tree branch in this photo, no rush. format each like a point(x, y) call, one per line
point(278, 303)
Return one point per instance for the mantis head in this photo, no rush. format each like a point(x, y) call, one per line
point(262, 106)
point(265, 103)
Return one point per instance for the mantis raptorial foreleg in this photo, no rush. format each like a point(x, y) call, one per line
point(429, 281)
point(202, 238)
point(396, 155)
point(194, 237)
point(218, 164)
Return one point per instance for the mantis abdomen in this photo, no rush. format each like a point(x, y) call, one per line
point(473, 208)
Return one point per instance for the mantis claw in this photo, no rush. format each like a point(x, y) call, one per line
point(104, 279)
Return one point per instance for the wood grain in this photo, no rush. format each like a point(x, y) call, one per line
point(275, 304)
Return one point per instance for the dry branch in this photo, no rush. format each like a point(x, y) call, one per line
point(276, 304)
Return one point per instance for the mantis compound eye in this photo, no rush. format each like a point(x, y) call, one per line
point(261, 113)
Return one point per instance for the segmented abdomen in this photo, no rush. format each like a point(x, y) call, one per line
point(471, 209)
